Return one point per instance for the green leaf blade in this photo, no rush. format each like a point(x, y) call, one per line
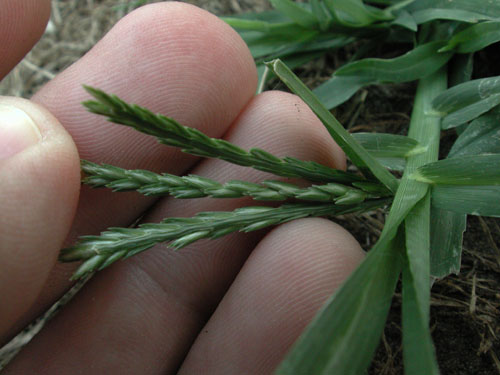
point(474, 38)
point(340, 332)
point(358, 155)
point(482, 136)
point(472, 170)
point(390, 150)
point(417, 63)
point(471, 200)
point(386, 145)
point(460, 15)
point(413, 65)
point(411, 204)
point(447, 229)
point(468, 100)
point(418, 350)
point(339, 89)
point(296, 13)
point(354, 13)
point(489, 8)
point(319, 10)
point(470, 112)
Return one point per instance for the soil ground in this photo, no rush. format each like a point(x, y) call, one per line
point(465, 308)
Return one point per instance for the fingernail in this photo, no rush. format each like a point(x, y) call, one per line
point(17, 131)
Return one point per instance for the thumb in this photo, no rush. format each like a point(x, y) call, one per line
point(39, 185)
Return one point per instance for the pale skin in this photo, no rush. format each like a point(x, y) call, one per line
point(230, 306)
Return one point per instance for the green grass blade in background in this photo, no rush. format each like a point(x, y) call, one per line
point(467, 101)
point(272, 16)
point(432, 14)
point(474, 38)
point(490, 8)
point(471, 200)
point(465, 94)
point(358, 155)
point(470, 112)
point(319, 10)
point(417, 63)
point(413, 65)
point(447, 229)
point(389, 2)
point(472, 170)
point(338, 90)
point(295, 12)
point(344, 335)
point(259, 25)
point(263, 46)
point(355, 13)
point(482, 136)
point(406, 20)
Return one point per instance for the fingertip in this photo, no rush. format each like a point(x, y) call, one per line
point(38, 198)
point(22, 23)
point(288, 127)
point(170, 57)
point(311, 252)
point(284, 282)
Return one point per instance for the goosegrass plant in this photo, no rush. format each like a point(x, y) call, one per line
point(427, 199)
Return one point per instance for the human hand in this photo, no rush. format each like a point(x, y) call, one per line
point(233, 305)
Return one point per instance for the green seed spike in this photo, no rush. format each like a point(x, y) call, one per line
point(334, 189)
point(188, 239)
point(98, 252)
point(259, 225)
point(283, 187)
point(192, 141)
point(351, 197)
point(192, 186)
point(313, 194)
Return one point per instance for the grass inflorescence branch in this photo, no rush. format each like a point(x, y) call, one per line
point(192, 141)
point(100, 251)
point(192, 186)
